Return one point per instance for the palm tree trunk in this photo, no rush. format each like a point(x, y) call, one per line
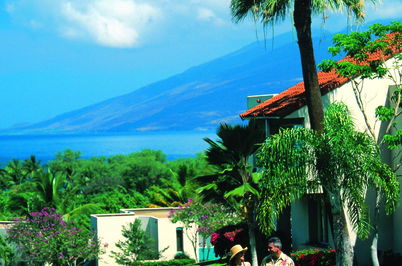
point(253, 249)
point(251, 232)
point(302, 19)
point(374, 243)
point(344, 250)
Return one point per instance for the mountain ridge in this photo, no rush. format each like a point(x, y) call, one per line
point(196, 99)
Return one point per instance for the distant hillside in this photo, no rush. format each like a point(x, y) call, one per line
point(197, 99)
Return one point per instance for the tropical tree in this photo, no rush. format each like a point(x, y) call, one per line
point(54, 191)
point(234, 181)
point(383, 41)
point(270, 11)
point(351, 163)
point(15, 172)
point(48, 186)
point(175, 191)
point(67, 162)
point(31, 165)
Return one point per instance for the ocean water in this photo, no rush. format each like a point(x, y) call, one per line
point(174, 144)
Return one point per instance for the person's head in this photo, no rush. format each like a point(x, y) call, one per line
point(237, 254)
point(274, 246)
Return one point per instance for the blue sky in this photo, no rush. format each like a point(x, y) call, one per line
point(61, 55)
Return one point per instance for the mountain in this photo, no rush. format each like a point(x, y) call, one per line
point(197, 99)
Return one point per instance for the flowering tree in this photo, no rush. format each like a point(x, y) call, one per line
point(45, 237)
point(205, 218)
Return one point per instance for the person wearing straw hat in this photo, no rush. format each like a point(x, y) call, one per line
point(237, 256)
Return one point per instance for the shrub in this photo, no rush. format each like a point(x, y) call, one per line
point(181, 262)
point(44, 237)
point(228, 236)
point(181, 255)
point(6, 252)
point(136, 245)
point(317, 257)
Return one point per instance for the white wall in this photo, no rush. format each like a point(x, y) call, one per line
point(167, 238)
point(300, 230)
point(108, 229)
point(162, 230)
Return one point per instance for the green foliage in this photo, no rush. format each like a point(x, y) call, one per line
point(181, 186)
point(44, 237)
point(119, 198)
point(350, 162)
point(383, 41)
point(271, 11)
point(207, 217)
point(181, 255)
point(178, 262)
point(233, 180)
point(77, 187)
point(66, 162)
point(48, 186)
point(6, 252)
point(135, 247)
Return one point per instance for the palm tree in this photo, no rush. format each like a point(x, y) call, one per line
point(234, 180)
point(31, 165)
point(351, 163)
point(53, 189)
point(48, 186)
point(15, 172)
point(270, 11)
point(171, 192)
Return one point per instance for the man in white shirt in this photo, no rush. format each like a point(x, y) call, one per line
point(276, 257)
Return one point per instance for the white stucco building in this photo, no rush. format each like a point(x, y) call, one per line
point(154, 221)
point(305, 223)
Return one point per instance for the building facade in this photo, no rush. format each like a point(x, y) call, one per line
point(309, 225)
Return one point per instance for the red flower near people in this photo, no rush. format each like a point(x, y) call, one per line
point(230, 236)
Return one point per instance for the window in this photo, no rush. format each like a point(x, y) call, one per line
point(179, 238)
point(318, 220)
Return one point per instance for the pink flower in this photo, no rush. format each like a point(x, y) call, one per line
point(230, 235)
point(214, 238)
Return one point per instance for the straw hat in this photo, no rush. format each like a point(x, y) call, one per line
point(236, 250)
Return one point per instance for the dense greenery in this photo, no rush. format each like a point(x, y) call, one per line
point(76, 187)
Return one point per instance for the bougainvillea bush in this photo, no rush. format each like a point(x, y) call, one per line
point(228, 236)
point(316, 257)
point(44, 237)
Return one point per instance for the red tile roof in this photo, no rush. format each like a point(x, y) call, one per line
point(293, 98)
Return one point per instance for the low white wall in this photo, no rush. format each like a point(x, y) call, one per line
point(108, 229)
point(167, 238)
